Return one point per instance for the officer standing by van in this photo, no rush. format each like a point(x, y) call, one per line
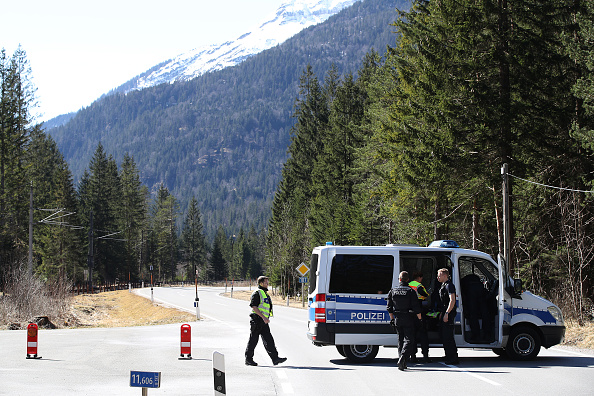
point(420, 324)
point(447, 298)
point(403, 305)
point(261, 305)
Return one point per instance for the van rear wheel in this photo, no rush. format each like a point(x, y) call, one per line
point(523, 343)
point(340, 349)
point(360, 353)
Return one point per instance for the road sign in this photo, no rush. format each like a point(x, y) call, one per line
point(302, 269)
point(303, 279)
point(144, 379)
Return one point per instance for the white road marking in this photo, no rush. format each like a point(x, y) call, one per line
point(472, 374)
point(285, 384)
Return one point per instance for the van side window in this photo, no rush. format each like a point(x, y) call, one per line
point(313, 268)
point(361, 274)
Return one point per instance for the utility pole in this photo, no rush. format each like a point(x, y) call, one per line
point(506, 218)
point(30, 266)
point(90, 257)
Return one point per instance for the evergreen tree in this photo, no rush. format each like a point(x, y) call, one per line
point(132, 214)
point(220, 269)
point(164, 230)
point(16, 102)
point(56, 242)
point(193, 243)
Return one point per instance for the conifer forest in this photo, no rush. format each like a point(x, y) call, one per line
point(408, 148)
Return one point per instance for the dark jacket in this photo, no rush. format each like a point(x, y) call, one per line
point(403, 303)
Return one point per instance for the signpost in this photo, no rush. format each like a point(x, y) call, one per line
point(303, 269)
point(145, 380)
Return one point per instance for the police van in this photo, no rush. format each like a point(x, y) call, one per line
point(349, 286)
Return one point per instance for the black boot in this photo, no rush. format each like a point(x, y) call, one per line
point(402, 363)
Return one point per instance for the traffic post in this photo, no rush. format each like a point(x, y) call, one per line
point(186, 342)
point(218, 368)
point(32, 335)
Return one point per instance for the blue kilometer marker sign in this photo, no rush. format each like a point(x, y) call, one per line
point(143, 379)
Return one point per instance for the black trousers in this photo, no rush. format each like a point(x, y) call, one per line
point(260, 329)
point(447, 337)
point(406, 334)
point(421, 336)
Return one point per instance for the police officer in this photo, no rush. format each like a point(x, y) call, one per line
point(447, 298)
point(420, 324)
point(261, 305)
point(403, 305)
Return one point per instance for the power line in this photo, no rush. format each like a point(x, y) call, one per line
point(549, 186)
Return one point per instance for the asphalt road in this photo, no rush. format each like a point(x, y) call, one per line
point(99, 361)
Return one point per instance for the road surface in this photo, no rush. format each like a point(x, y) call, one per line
point(98, 361)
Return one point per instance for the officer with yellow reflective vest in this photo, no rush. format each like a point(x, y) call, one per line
point(261, 305)
point(420, 324)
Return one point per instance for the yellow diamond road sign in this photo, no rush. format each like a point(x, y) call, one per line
point(302, 269)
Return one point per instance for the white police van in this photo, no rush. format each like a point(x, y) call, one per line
point(349, 286)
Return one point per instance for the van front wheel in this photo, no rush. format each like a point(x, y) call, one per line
point(360, 353)
point(523, 344)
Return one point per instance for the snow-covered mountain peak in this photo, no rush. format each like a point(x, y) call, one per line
point(290, 18)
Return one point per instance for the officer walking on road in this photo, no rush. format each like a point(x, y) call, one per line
point(261, 305)
point(403, 305)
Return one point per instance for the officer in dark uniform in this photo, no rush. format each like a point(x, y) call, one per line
point(261, 305)
point(403, 305)
point(447, 298)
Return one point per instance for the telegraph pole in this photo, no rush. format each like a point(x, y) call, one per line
point(506, 218)
point(90, 261)
point(30, 266)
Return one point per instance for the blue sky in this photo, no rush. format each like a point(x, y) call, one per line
point(81, 49)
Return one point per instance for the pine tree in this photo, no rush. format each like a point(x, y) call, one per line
point(220, 269)
point(193, 242)
point(164, 231)
point(57, 242)
point(132, 214)
point(16, 102)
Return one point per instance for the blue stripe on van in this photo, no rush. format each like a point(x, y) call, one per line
point(543, 315)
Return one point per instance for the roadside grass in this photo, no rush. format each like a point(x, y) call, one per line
point(121, 309)
point(579, 336)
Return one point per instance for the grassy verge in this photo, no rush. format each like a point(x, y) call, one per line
point(121, 309)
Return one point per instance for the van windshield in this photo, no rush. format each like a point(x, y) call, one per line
point(361, 274)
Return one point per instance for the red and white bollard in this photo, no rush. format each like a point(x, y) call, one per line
point(32, 334)
point(186, 342)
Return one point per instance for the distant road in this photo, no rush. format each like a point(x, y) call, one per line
point(99, 361)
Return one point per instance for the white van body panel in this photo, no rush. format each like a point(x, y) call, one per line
point(353, 318)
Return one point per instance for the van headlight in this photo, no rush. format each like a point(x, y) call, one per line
point(556, 312)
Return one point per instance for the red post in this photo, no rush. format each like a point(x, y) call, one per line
point(186, 341)
point(32, 334)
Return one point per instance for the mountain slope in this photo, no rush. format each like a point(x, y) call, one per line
point(290, 18)
point(223, 136)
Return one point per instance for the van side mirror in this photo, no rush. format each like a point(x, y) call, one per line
point(517, 287)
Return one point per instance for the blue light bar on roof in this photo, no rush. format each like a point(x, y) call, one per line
point(444, 244)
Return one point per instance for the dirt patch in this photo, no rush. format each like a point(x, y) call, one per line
point(121, 309)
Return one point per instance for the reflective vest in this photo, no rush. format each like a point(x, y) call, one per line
point(415, 285)
point(264, 306)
